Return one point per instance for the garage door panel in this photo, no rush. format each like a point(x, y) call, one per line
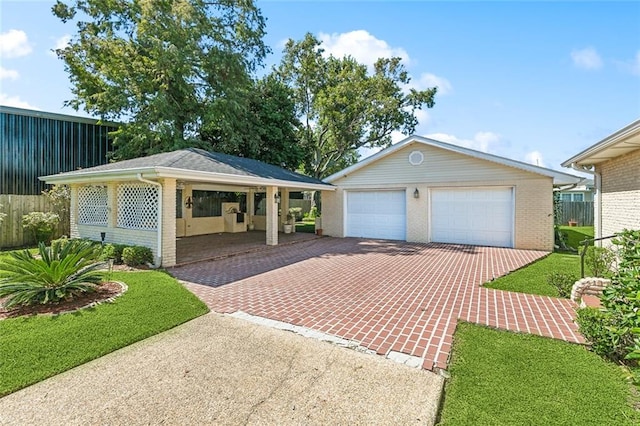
point(376, 214)
point(476, 216)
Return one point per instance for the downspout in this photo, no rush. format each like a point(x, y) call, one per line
point(597, 182)
point(159, 230)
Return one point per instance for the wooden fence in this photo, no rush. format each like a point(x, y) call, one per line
point(15, 206)
point(579, 211)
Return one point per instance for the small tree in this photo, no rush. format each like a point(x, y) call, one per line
point(41, 225)
point(60, 196)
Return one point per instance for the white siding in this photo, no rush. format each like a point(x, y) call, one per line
point(439, 165)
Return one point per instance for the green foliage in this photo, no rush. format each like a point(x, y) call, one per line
point(113, 251)
point(41, 225)
point(61, 272)
point(168, 67)
point(600, 330)
point(503, 378)
point(563, 282)
point(60, 197)
point(313, 213)
point(37, 347)
point(264, 126)
point(344, 106)
point(599, 260)
point(615, 332)
point(137, 255)
point(295, 213)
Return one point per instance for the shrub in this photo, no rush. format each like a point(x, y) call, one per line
point(599, 328)
point(615, 333)
point(563, 282)
point(313, 213)
point(41, 225)
point(137, 255)
point(113, 251)
point(599, 260)
point(61, 272)
point(296, 212)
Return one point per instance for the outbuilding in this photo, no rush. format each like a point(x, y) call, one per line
point(151, 201)
point(423, 190)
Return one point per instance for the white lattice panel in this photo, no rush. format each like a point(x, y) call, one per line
point(138, 206)
point(92, 205)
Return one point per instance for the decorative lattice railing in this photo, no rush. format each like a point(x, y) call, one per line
point(92, 205)
point(138, 206)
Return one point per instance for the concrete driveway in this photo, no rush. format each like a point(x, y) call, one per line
point(221, 370)
point(400, 300)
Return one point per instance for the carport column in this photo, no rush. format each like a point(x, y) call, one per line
point(272, 216)
point(112, 204)
point(250, 206)
point(168, 222)
point(73, 212)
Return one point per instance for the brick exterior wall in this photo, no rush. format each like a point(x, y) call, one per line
point(533, 227)
point(620, 193)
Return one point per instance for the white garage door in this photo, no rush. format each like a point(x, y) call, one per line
point(475, 216)
point(376, 214)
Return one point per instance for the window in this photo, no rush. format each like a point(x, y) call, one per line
point(572, 197)
point(259, 204)
point(209, 203)
point(179, 204)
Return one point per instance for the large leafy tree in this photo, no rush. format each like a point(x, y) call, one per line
point(345, 107)
point(165, 68)
point(264, 127)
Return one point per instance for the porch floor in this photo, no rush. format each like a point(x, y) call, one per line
point(216, 246)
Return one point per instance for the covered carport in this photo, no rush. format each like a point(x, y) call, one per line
point(139, 201)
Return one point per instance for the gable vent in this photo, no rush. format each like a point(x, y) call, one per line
point(416, 158)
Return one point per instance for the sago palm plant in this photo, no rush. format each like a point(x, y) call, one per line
point(60, 272)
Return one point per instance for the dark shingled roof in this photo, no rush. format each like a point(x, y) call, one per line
point(199, 160)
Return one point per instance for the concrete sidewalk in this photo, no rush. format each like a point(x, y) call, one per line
point(222, 370)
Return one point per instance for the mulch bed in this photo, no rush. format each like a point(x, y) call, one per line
point(105, 291)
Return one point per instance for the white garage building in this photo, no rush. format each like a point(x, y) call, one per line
point(422, 190)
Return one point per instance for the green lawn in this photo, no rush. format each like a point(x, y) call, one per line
point(576, 234)
point(503, 378)
point(37, 347)
point(533, 278)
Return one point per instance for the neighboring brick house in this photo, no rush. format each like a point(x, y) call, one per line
point(615, 164)
point(423, 190)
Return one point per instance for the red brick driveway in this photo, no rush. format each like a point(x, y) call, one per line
point(388, 296)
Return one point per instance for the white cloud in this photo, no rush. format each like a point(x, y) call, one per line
point(360, 44)
point(535, 158)
point(427, 80)
point(14, 43)
point(8, 74)
point(482, 141)
point(60, 43)
point(14, 101)
point(587, 58)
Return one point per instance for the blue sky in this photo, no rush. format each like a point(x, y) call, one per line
point(536, 82)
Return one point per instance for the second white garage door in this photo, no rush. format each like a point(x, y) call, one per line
point(475, 216)
point(376, 214)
